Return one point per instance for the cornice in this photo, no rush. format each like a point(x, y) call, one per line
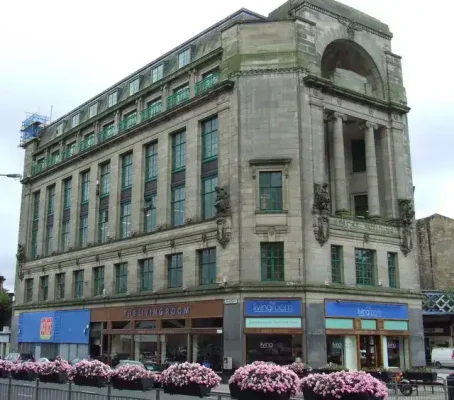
point(327, 86)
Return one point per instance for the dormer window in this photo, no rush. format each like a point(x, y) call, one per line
point(75, 120)
point(112, 99)
point(133, 86)
point(157, 73)
point(59, 130)
point(92, 110)
point(184, 58)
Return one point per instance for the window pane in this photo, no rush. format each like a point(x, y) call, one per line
point(207, 267)
point(157, 73)
point(179, 150)
point(151, 161)
point(67, 193)
point(103, 226)
point(336, 264)
point(270, 191)
point(272, 255)
point(361, 206)
point(175, 271)
point(150, 214)
point(78, 284)
point(184, 58)
point(178, 204)
point(85, 187)
point(358, 155)
point(83, 231)
point(49, 242)
point(51, 200)
point(210, 138)
point(98, 281)
point(126, 171)
point(392, 270)
point(121, 278)
point(365, 267)
point(105, 179)
point(209, 197)
point(125, 220)
point(146, 275)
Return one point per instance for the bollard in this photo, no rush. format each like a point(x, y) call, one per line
point(109, 391)
point(37, 390)
point(70, 388)
point(10, 383)
point(158, 394)
point(450, 386)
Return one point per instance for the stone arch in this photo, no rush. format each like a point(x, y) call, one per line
point(347, 55)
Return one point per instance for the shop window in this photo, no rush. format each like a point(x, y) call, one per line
point(395, 350)
point(337, 264)
point(279, 349)
point(208, 350)
point(365, 267)
point(148, 348)
point(175, 348)
point(392, 270)
point(361, 206)
point(49, 350)
point(270, 191)
point(272, 256)
point(121, 325)
point(173, 323)
point(358, 156)
point(207, 323)
point(335, 349)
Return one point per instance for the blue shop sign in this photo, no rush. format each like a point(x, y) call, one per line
point(55, 327)
point(272, 308)
point(351, 309)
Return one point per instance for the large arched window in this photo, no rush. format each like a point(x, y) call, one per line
point(349, 65)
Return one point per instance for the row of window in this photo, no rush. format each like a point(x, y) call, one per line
point(365, 267)
point(157, 73)
point(207, 276)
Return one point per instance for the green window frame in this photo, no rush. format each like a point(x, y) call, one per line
point(36, 206)
point(151, 161)
point(121, 278)
point(85, 187)
point(112, 99)
point(49, 237)
point(272, 260)
point(270, 187)
point(60, 286)
point(83, 231)
point(157, 73)
point(393, 270)
point(54, 157)
point(50, 200)
point(125, 220)
point(175, 270)
point(365, 267)
point(150, 213)
point(67, 189)
point(34, 242)
point(78, 284)
point(98, 281)
point(337, 264)
point(207, 266)
point(65, 227)
point(209, 196)
point(105, 179)
point(210, 139)
point(126, 171)
point(43, 288)
point(178, 151)
point(146, 275)
point(103, 226)
point(178, 205)
point(134, 86)
point(184, 58)
point(28, 292)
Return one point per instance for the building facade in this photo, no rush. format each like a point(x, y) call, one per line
point(246, 196)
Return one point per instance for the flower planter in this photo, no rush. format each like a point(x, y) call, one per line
point(192, 389)
point(139, 384)
point(308, 394)
point(234, 390)
point(428, 377)
point(3, 374)
point(24, 375)
point(61, 377)
point(96, 381)
point(256, 395)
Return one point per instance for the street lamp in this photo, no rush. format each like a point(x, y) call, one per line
point(14, 176)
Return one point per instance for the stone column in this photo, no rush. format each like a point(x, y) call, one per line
point(93, 205)
point(192, 83)
point(371, 171)
point(114, 196)
point(389, 177)
point(318, 143)
point(342, 206)
point(139, 108)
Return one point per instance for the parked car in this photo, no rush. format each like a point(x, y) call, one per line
point(442, 357)
point(74, 361)
point(19, 357)
point(43, 360)
point(121, 363)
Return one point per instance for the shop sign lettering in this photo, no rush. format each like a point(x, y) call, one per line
point(46, 328)
point(369, 312)
point(265, 345)
point(271, 308)
point(156, 312)
point(352, 309)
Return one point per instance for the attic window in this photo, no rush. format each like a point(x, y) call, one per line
point(75, 120)
point(184, 58)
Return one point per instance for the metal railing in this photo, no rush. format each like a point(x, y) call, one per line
point(127, 123)
point(151, 111)
point(178, 98)
point(438, 303)
point(206, 84)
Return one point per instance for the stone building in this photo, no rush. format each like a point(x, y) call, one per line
point(246, 196)
point(435, 239)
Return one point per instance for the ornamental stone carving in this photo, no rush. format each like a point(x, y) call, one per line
point(223, 231)
point(321, 228)
point(222, 203)
point(20, 258)
point(407, 213)
point(322, 200)
point(406, 244)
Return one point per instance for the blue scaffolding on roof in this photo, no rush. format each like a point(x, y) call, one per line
point(32, 127)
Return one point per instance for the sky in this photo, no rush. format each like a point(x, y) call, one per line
point(61, 53)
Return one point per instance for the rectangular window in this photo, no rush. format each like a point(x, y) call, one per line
point(146, 274)
point(34, 244)
point(126, 171)
point(207, 266)
point(28, 292)
point(36, 206)
point(361, 206)
point(210, 139)
point(83, 231)
point(60, 286)
point(43, 288)
point(50, 200)
point(92, 110)
point(272, 256)
point(337, 264)
point(151, 161)
point(70, 150)
point(270, 191)
point(175, 270)
point(65, 235)
point(121, 278)
point(67, 193)
point(184, 58)
point(150, 213)
point(112, 99)
point(209, 196)
point(392, 270)
point(105, 180)
point(365, 267)
point(85, 187)
point(157, 73)
point(75, 120)
point(358, 155)
point(34, 238)
point(49, 236)
point(54, 157)
point(78, 279)
point(178, 151)
point(125, 220)
point(103, 226)
point(134, 86)
point(98, 281)
point(178, 203)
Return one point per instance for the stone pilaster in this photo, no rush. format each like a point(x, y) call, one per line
point(389, 178)
point(318, 143)
point(371, 171)
point(93, 205)
point(342, 207)
point(137, 188)
point(75, 210)
point(114, 196)
point(163, 193)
